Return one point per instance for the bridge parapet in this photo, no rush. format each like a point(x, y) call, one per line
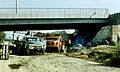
point(6, 13)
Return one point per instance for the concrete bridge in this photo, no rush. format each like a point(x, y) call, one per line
point(87, 20)
point(49, 17)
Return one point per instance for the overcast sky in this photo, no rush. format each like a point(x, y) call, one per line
point(112, 5)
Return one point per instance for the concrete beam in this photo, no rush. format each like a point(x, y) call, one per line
point(52, 21)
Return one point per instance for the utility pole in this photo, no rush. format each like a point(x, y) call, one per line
point(17, 6)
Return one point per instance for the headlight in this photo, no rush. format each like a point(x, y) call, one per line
point(30, 47)
point(56, 44)
point(44, 46)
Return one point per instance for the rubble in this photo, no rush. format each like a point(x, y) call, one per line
point(103, 54)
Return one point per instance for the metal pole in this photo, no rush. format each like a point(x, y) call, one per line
point(17, 6)
point(92, 15)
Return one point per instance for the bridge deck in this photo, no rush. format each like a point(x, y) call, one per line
point(12, 13)
point(12, 16)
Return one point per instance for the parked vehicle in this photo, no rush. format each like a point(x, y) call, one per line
point(4, 53)
point(57, 42)
point(35, 44)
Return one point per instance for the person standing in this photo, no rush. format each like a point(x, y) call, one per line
point(18, 37)
point(118, 38)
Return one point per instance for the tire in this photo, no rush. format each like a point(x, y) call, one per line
point(58, 50)
point(31, 52)
point(43, 51)
point(65, 50)
point(28, 51)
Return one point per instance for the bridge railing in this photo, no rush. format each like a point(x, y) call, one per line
point(54, 13)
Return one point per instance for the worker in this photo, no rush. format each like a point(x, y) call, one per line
point(118, 38)
point(18, 37)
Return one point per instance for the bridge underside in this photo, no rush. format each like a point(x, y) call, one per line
point(88, 30)
point(51, 21)
point(83, 27)
point(86, 26)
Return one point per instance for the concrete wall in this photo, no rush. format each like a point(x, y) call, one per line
point(102, 35)
point(114, 19)
point(115, 32)
point(115, 22)
point(107, 33)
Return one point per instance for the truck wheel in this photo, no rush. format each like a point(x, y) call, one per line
point(28, 51)
point(58, 49)
point(65, 49)
point(43, 51)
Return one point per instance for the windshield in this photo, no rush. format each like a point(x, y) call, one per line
point(42, 39)
point(32, 39)
point(33, 42)
point(30, 43)
point(52, 39)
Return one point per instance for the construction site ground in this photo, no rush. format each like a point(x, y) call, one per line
point(52, 62)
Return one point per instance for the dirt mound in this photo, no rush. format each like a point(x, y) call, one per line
point(102, 54)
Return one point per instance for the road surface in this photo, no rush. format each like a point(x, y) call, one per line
point(51, 63)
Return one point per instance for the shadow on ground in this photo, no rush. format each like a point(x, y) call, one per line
point(15, 66)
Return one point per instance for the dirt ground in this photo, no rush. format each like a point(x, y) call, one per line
point(51, 63)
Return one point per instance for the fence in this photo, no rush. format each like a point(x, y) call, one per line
point(54, 13)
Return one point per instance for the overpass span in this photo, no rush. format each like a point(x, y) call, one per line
point(54, 13)
point(52, 18)
point(8, 16)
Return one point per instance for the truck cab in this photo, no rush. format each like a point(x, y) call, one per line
point(55, 43)
point(35, 44)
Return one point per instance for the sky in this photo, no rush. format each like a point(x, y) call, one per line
point(112, 5)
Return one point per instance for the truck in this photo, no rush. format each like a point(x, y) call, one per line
point(4, 53)
point(4, 49)
point(57, 42)
point(34, 44)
